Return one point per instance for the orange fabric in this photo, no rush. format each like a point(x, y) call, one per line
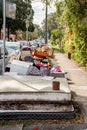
point(39, 54)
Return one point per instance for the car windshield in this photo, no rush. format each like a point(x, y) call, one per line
point(13, 45)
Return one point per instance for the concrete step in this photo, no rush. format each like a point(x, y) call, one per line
point(36, 110)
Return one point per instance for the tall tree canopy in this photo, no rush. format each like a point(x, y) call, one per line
point(23, 10)
point(52, 23)
point(74, 16)
point(76, 22)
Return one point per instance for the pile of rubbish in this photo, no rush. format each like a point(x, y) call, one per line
point(35, 61)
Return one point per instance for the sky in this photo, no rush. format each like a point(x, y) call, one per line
point(39, 11)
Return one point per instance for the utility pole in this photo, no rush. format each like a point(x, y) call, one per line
point(28, 18)
point(9, 11)
point(4, 33)
point(46, 24)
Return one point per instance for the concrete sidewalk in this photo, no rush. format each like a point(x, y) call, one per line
point(77, 80)
point(78, 84)
point(77, 76)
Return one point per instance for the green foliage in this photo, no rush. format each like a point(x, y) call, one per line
point(57, 32)
point(23, 8)
point(75, 16)
point(52, 23)
point(55, 37)
point(36, 33)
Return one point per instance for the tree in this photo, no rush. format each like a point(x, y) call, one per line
point(56, 37)
point(52, 23)
point(24, 8)
point(36, 33)
point(47, 2)
point(75, 18)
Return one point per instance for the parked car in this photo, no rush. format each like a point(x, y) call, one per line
point(1, 42)
point(12, 49)
point(1, 51)
point(22, 43)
